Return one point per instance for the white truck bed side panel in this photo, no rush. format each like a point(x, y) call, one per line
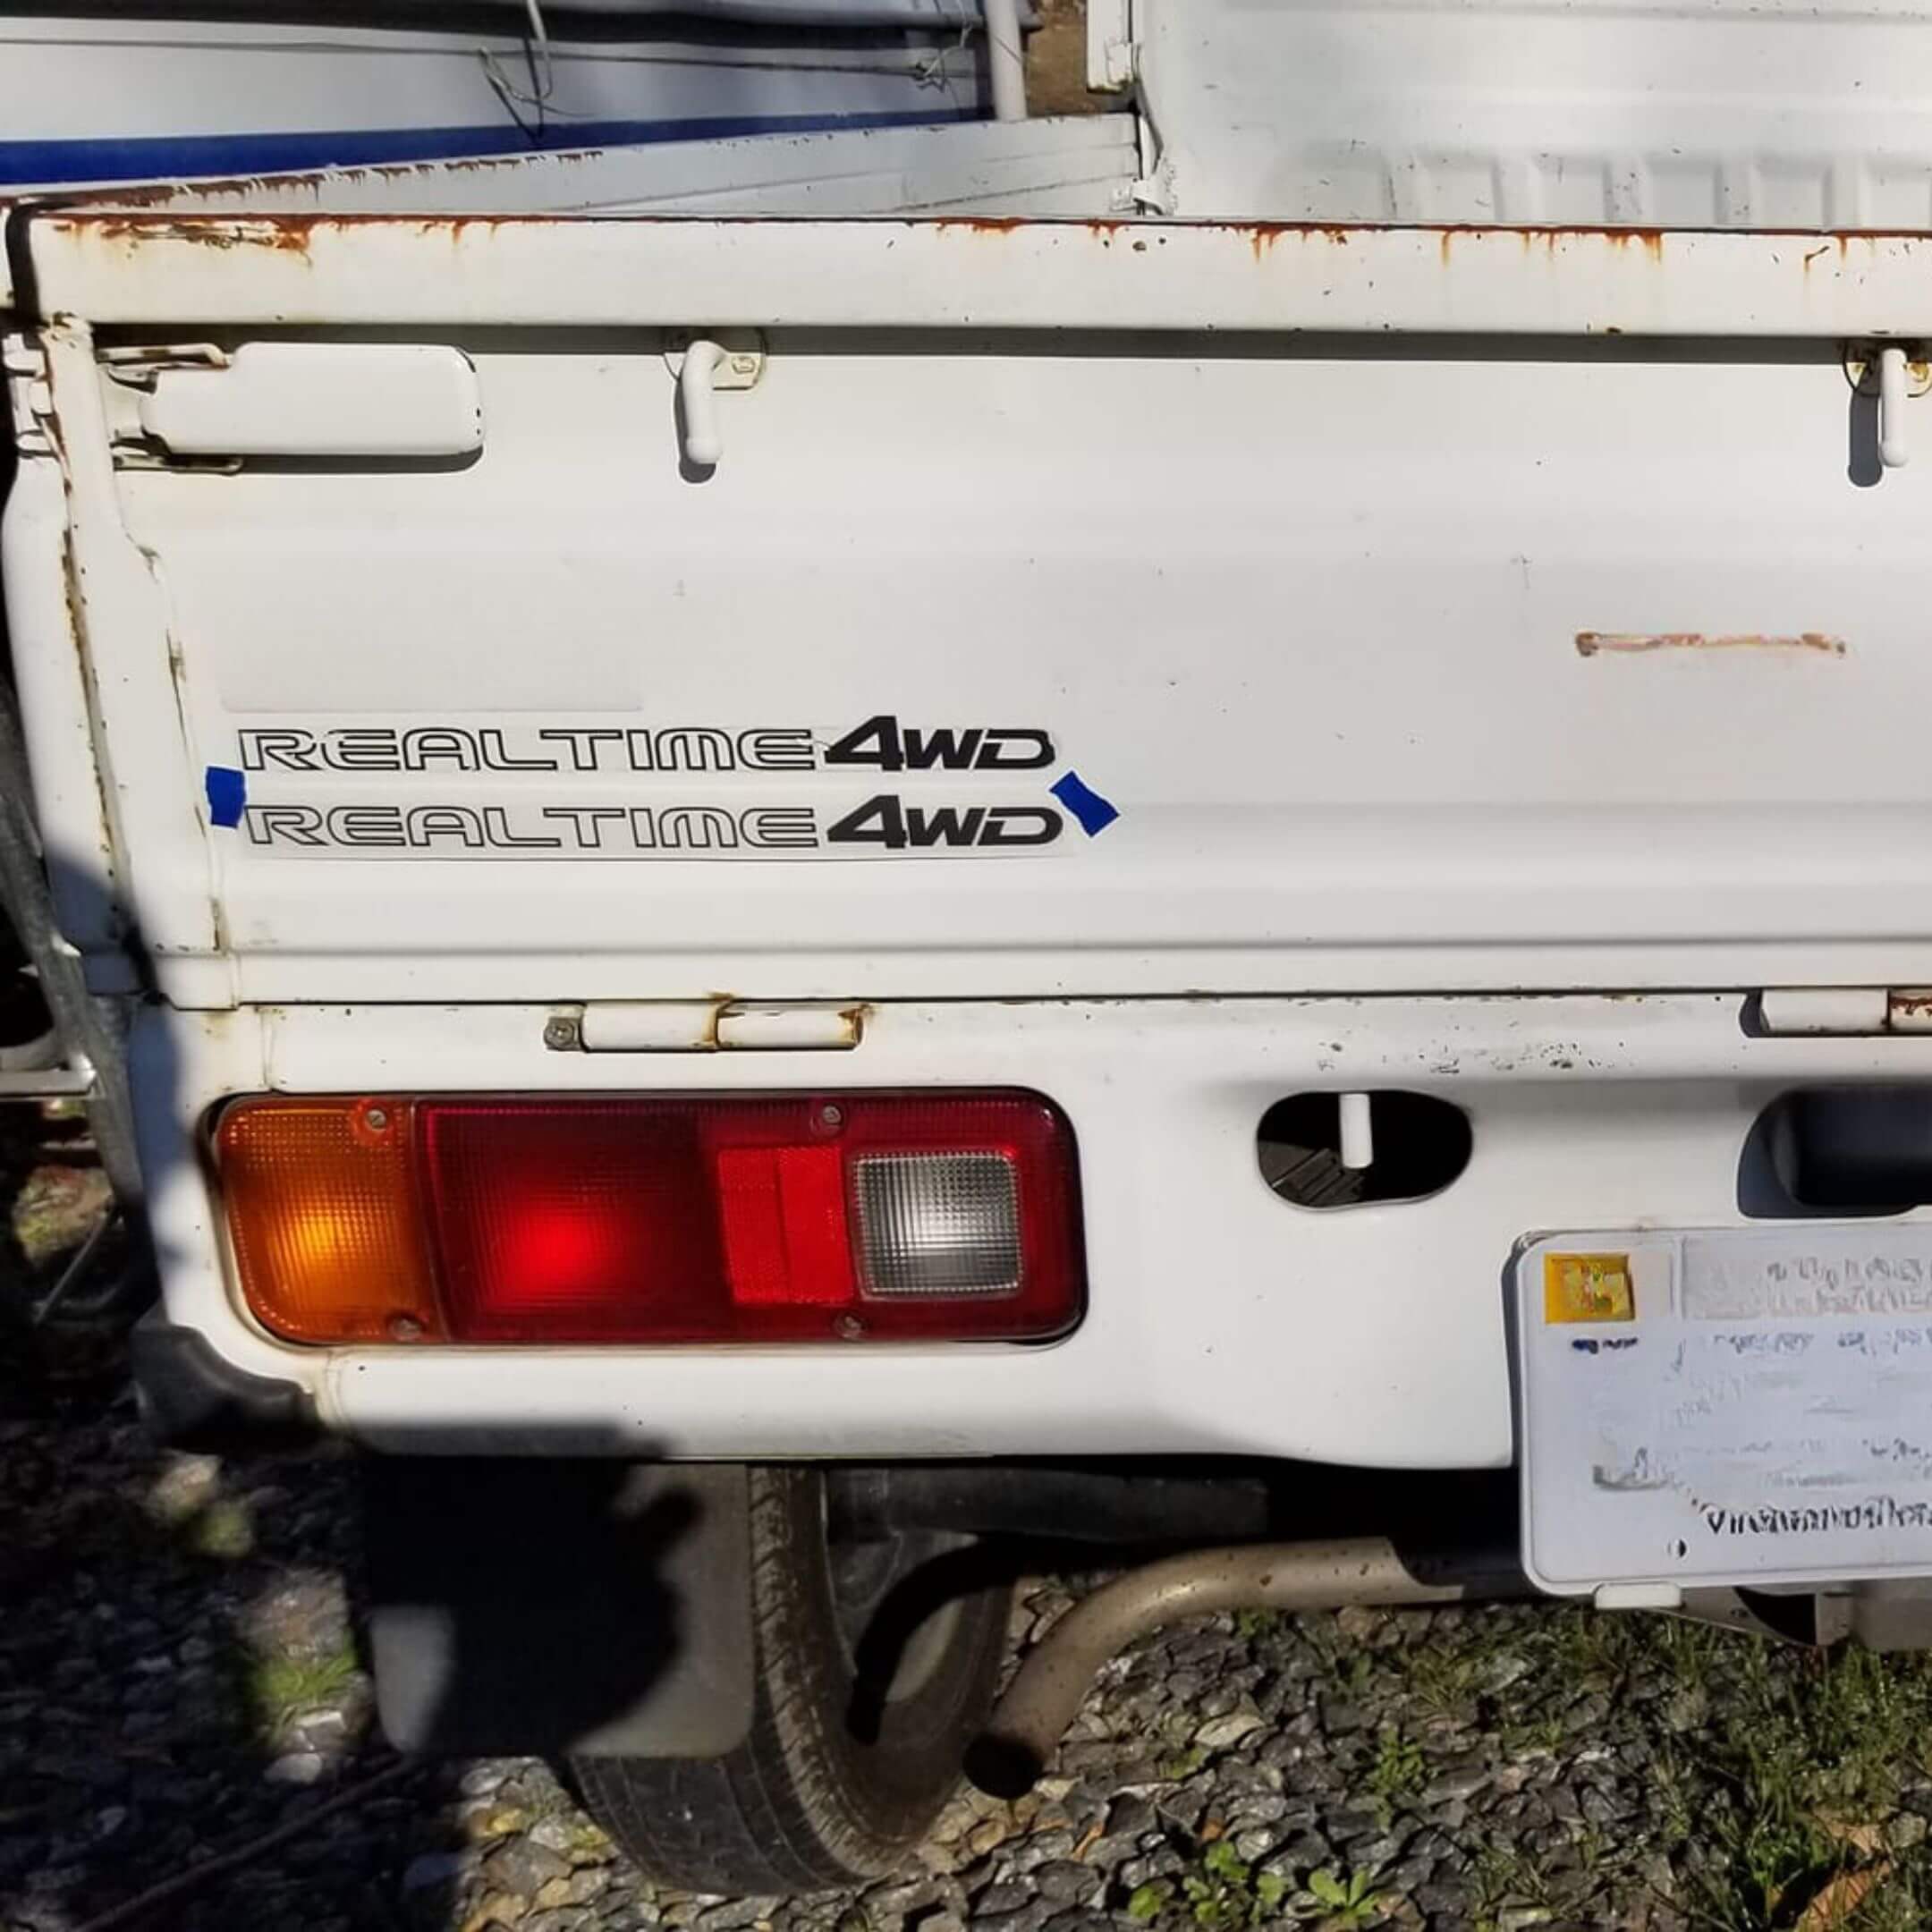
point(1686, 113)
point(1073, 164)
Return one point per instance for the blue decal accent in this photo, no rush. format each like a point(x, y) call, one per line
point(227, 794)
point(1095, 813)
point(168, 156)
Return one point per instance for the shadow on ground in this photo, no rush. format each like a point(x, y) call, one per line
point(178, 1679)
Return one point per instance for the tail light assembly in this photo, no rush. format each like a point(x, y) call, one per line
point(930, 1216)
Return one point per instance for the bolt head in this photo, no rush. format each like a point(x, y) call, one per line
point(560, 1033)
point(375, 1118)
point(849, 1329)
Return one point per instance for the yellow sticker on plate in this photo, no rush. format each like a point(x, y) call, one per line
point(1587, 1287)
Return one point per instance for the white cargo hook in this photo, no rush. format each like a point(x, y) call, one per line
point(1892, 449)
point(704, 442)
point(703, 366)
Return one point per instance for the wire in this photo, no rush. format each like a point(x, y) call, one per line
point(543, 77)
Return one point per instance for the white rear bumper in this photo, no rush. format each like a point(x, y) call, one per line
point(1220, 1318)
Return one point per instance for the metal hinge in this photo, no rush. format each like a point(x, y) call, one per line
point(24, 364)
point(1845, 1010)
point(706, 1026)
point(133, 374)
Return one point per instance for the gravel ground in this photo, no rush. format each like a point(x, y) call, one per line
point(178, 1679)
point(181, 1698)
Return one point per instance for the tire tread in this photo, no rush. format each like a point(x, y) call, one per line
point(772, 1817)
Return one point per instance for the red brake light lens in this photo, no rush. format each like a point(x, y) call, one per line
point(876, 1215)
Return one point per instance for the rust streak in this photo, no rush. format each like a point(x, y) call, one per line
point(1591, 643)
point(287, 232)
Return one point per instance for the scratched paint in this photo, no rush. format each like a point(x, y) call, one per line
point(1595, 643)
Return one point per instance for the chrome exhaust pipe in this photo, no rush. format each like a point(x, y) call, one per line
point(1031, 1718)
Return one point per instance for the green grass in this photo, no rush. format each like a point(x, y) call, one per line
point(1345, 1898)
point(223, 1529)
point(1750, 1775)
point(1796, 1767)
point(1220, 1893)
point(1400, 1770)
point(282, 1688)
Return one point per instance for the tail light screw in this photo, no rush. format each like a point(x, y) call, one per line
point(561, 1033)
point(375, 1118)
point(849, 1329)
point(831, 1116)
point(404, 1328)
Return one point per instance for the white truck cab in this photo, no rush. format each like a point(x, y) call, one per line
point(826, 843)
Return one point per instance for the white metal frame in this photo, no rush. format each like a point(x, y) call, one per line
point(973, 272)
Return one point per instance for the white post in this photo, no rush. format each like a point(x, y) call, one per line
point(1891, 451)
point(1358, 1132)
point(1006, 59)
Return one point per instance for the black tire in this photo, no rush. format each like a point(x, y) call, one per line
point(866, 1704)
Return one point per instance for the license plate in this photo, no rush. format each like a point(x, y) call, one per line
point(1747, 1406)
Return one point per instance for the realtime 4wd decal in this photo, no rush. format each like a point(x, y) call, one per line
point(880, 743)
point(542, 806)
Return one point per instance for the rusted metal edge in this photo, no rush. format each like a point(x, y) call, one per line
point(1596, 643)
point(138, 212)
point(978, 273)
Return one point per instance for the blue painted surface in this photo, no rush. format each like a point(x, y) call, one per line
point(1095, 813)
point(227, 794)
point(169, 157)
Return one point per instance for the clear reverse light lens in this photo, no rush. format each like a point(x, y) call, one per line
point(938, 1224)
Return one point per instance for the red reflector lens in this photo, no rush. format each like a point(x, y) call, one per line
point(783, 1216)
point(889, 1217)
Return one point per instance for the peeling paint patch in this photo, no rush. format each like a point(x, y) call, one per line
point(1592, 643)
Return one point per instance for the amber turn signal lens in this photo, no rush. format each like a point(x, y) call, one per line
point(322, 1211)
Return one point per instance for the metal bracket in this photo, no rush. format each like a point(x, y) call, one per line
point(137, 366)
point(741, 365)
point(1893, 372)
point(1861, 366)
point(25, 367)
point(1110, 46)
point(131, 374)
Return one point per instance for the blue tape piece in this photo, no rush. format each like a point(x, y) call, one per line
point(227, 794)
point(1095, 813)
point(161, 156)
